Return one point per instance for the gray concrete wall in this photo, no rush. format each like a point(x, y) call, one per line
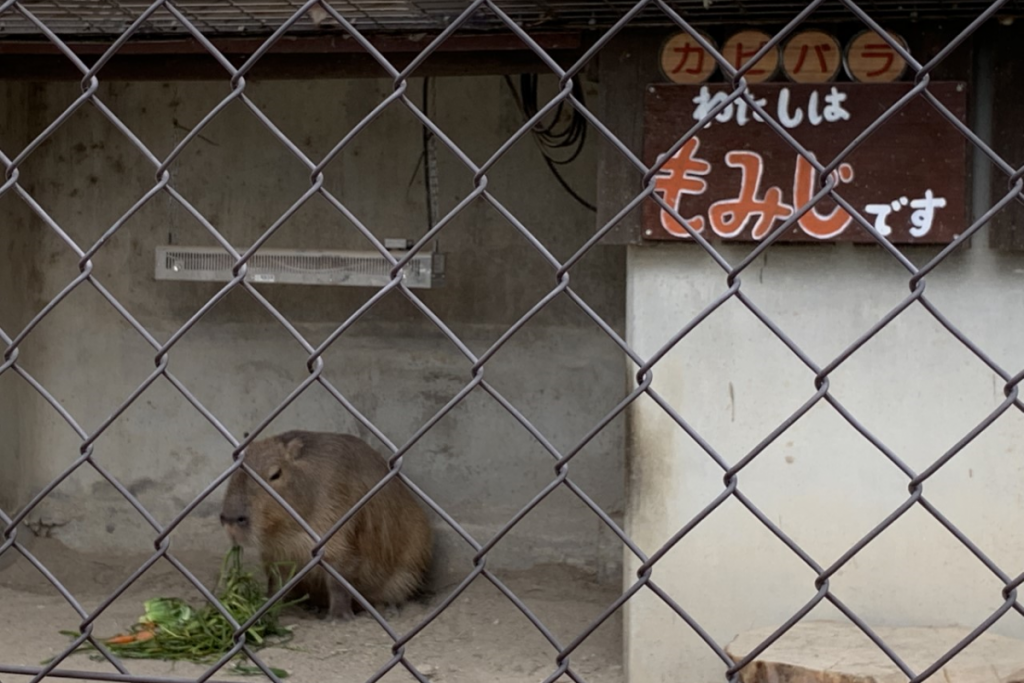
point(12, 274)
point(394, 365)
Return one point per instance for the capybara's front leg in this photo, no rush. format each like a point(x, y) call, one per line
point(340, 601)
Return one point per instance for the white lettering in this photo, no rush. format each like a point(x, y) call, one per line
point(921, 218)
point(788, 120)
point(788, 113)
point(924, 213)
point(761, 103)
point(834, 106)
point(880, 212)
point(705, 102)
point(742, 110)
point(813, 116)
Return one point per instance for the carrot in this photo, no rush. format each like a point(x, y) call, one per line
point(126, 638)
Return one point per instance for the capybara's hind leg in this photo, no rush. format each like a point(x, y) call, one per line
point(399, 588)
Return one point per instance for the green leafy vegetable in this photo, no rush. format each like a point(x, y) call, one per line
point(171, 629)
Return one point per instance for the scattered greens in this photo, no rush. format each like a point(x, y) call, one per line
point(173, 630)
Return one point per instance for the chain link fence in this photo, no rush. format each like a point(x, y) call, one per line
point(562, 651)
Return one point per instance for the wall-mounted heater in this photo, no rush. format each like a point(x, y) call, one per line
point(299, 267)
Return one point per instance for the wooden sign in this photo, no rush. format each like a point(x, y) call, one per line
point(738, 179)
point(870, 59)
point(811, 57)
point(683, 60)
point(742, 46)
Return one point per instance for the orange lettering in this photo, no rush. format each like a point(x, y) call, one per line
point(812, 222)
point(728, 217)
point(681, 175)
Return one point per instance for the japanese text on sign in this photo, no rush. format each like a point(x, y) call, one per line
point(683, 60)
point(871, 59)
point(811, 57)
point(820, 107)
point(736, 180)
point(744, 46)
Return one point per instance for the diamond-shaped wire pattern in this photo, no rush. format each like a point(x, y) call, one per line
point(200, 20)
point(241, 17)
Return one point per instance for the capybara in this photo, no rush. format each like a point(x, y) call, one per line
point(384, 550)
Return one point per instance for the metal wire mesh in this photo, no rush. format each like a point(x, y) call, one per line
point(237, 17)
point(46, 19)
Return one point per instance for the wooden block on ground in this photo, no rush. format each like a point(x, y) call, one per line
point(835, 652)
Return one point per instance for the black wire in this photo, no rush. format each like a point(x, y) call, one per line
point(556, 135)
point(575, 131)
point(565, 185)
point(427, 180)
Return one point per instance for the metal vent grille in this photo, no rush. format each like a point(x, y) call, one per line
point(296, 267)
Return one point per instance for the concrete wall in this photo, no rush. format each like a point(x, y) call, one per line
point(394, 365)
point(12, 212)
point(914, 386)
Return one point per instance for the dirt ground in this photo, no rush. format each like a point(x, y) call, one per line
point(480, 638)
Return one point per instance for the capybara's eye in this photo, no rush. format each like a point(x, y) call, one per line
point(275, 474)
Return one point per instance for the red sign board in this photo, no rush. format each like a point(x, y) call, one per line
point(738, 179)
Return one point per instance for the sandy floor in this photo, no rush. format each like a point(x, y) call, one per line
point(480, 638)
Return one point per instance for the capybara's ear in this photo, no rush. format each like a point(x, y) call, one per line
point(293, 448)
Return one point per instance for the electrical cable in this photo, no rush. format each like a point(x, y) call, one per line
point(430, 179)
point(558, 134)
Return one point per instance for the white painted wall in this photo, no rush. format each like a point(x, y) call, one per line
point(914, 386)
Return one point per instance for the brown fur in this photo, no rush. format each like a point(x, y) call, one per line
point(384, 550)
